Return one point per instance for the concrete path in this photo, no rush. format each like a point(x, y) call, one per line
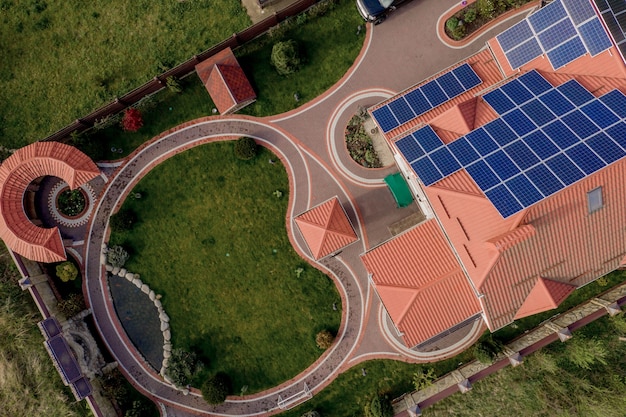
point(309, 141)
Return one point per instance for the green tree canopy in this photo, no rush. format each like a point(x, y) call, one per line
point(216, 388)
point(286, 57)
point(67, 271)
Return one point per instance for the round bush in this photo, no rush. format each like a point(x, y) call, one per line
point(245, 148)
point(67, 271)
point(216, 388)
point(286, 57)
point(324, 339)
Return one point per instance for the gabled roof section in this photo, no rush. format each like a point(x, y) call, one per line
point(326, 228)
point(421, 283)
point(459, 119)
point(226, 82)
point(545, 295)
point(16, 173)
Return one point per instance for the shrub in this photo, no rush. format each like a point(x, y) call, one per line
point(67, 271)
point(245, 148)
point(584, 353)
point(486, 350)
point(182, 367)
point(324, 339)
point(117, 256)
point(173, 84)
point(123, 220)
point(72, 305)
point(470, 14)
point(485, 8)
point(311, 413)
point(423, 379)
point(132, 120)
point(455, 29)
point(285, 57)
point(216, 388)
point(380, 406)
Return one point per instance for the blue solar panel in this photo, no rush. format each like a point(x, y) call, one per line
point(498, 101)
point(566, 53)
point(535, 82)
point(565, 169)
point(512, 37)
point(540, 144)
point(557, 102)
point(426, 171)
point(467, 76)
point(450, 85)
point(502, 165)
point(579, 10)
point(618, 133)
point(516, 92)
point(503, 200)
point(521, 154)
point(584, 157)
point(482, 175)
point(594, 37)
point(418, 102)
point(401, 110)
point(481, 141)
point(616, 101)
point(605, 148)
point(580, 124)
point(500, 132)
point(524, 190)
point(434, 93)
point(560, 134)
point(538, 113)
point(385, 119)
point(546, 16)
point(427, 137)
point(443, 159)
point(575, 92)
point(600, 114)
point(409, 148)
point(463, 151)
point(544, 180)
point(524, 53)
point(519, 122)
point(557, 34)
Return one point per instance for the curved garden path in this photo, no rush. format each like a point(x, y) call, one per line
point(309, 142)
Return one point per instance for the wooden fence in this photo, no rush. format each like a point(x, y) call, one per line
point(181, 70)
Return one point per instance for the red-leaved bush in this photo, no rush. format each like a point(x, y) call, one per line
point(132, 120)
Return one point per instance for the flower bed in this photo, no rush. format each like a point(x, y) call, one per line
point(359, 143)
point(477, 14)
point(71, 203)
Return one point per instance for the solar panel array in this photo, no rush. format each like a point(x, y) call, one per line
point(564, 30)
point(546, 139)
point(614, 15)
point(430, 95)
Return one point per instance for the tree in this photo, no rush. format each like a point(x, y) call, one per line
point(216, 388)
point(487, 349)
point(379, 406)
point(245, 148)
point(123, 220)
point(67, 271)
point(423, 379)
point(585, 353)
point(285, 57)
point(71, 305)
point(324, 339)
point(132, 120)
point(182, 367)
point(138, 409)
point(117, 256)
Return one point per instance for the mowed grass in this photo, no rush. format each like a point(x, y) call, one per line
point(211, 239)
point(63, 59)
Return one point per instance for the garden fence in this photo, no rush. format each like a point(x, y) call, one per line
point(181, 70)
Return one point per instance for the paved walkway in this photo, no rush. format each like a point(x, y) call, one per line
point(309, 141)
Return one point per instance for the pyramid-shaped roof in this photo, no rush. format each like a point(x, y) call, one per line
point(225, 81)
point(16, 173)
point(326, 228)
point(546, 295)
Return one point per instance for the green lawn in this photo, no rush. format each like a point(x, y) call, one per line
point(211, 238)
point(330, 43)
point(63, 59)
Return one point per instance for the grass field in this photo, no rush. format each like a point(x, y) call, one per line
point(211, 238)
point(330, 43)
point(63, 59)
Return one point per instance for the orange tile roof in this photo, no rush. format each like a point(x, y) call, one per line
point(225, 81)
point(412, 274)
point(16, 173)
point(326, 228)
point(545, 295)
